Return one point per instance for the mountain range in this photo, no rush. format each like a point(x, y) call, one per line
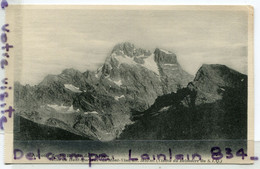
point(135, 94)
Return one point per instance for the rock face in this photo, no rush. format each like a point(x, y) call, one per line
point(98, 104)
point(211, 81)
point(212, 106)
point(171, 73)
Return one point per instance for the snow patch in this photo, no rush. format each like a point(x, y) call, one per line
point(99, 69)
point(124, 59)
point(119, 97)
point(170, 64)
point(91, 112)
point(222, 89)
point(150, 64)
point(107, 76)
point(165, 51)
point(164, 109)
point(118, 83)
point(98, 72)
point(139, 56)
point(72, 88)
point(61, 109)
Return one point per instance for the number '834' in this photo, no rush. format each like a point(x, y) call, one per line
point(217, 154)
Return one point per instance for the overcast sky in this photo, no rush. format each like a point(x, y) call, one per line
point(51, 40)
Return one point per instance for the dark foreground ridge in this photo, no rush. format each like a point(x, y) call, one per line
point(212, 107)
point(34, 131)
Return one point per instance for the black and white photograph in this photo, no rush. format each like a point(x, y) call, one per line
point(131, 80)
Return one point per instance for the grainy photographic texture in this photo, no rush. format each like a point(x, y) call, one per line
point(146, 82)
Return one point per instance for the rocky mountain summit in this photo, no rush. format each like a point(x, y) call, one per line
point(99, 104)
point(211, 80)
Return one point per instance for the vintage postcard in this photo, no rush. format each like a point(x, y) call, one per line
point(130, 84)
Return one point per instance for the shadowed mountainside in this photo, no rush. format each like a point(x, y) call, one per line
point(213, 106)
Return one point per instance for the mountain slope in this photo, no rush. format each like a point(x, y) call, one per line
point(213, 106)
point(34, 131)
